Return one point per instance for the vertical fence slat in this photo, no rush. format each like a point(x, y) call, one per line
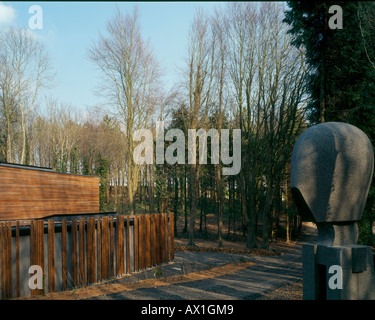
point(32, 245)
point(10, 268)
point(153, 237)
point(136, 233)
point(51, 255)
point(141, 242)
point(112, 256)
point(160, 237)
point(64, 255)
point(171, 236)
point(164, 237)
point(99, 230)
point(140, 246)
point(41, 249)
point(75, 252)
point(105, 247)
point(90, 249)
point(6, 258)
point(144, 241)
point(128, 244)
point(32, 248)
point(2, 260)
point(120, 245)
point(82, 252)
point(18, 259)
point(37, 249)
point(166, 234)
point(9, 258)
point(157, 261)
point(148, 240)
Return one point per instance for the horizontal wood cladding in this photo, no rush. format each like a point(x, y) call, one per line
point(30, 194)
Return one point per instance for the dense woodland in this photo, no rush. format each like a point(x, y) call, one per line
point(268, 69)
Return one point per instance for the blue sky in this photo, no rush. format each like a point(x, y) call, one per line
point(69, 28)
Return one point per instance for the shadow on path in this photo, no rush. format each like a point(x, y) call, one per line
point(269, 273)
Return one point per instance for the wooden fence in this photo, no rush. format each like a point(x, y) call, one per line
point(76, 252)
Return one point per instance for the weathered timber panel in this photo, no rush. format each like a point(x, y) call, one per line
point(81, 251)
point(105, 247)
point(30, 194)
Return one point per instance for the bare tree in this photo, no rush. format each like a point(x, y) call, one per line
point(219, 33)
point(8, 103)
point(198, 86)
point(131, 81)
point(268, 77)
point(53, 135)
point(283, 87)
point(28, 63)
point(242, 21)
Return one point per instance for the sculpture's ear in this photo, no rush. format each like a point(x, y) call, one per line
point(302, 206)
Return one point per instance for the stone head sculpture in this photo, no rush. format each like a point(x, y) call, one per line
point(331, 172)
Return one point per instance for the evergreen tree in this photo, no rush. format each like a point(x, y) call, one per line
point(341, 80)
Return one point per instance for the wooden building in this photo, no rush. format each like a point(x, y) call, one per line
point(32, 192)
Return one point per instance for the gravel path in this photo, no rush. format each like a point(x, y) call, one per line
point(258, 281)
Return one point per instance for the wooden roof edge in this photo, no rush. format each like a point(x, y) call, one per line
point(45, 169)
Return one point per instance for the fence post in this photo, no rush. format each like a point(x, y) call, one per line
point(75, 252)
point(112, 244)
point(18, 259)
point(99, 231)
point(105, 247)
point(2, 259)
point(51, 255)
point(64, 255)
point(141, 242)
point(91, 250)
point(127, 244)
point(120, 245)
point(37, 250)
point(148, 240)
point(82, 251)
point(136, 243)
point(171, 236)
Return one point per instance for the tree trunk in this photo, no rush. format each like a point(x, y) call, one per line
point(9, 143)
point(267, 219)
point(151, 188)
point(175, 202)
point(185, 202)
point(131, 192)
point(248, 214)
point(219, 190)
point(287, 228)
point(23, 152)
point(193, 210)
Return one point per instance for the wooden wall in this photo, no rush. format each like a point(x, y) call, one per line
point(28, 193)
